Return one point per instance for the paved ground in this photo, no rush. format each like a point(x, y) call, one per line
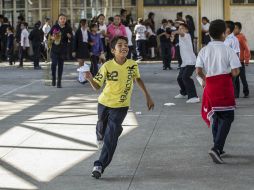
point(47, 137)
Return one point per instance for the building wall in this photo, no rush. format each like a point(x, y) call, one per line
point(170, 13)
point(212, 9)
point(245, 15)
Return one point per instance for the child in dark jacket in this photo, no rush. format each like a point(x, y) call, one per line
point(10, 45)
point(97, 48)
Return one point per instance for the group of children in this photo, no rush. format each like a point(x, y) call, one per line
point(217, 65)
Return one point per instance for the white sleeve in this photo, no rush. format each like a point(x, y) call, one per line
point(234, 60)
point(237, 46)
point(200, 61)
point(135, 28)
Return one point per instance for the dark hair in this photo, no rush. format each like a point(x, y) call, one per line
point(115, 40)
point(21, 18)
point(25, 24)
point(5, 20)
point(122, 11)
point(150, 15)
point(100, 16)
point(82, 21)
point(180, 14)
point(92, 25)
point(111, 19)
point(117, 16)
point(61, 14)
point(184, 25)
point(47, 19)
point(239, 25)
point(206, 19)
point(164, 21)
point(217, 28)
point(231, 25)
point(10, 28)
point(2, 16)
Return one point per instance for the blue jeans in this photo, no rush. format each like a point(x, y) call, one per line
point(222, 121)
point(141, 48)
point(108, 129)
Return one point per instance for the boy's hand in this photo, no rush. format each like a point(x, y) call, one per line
point(203, 84)
point(88, 76)
point(68, 35)
point(150, 103)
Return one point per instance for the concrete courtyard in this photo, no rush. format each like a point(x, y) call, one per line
point(47, 137)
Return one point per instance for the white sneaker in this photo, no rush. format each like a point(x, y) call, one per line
point(180, 96)
point(193, 100)
point(97, 171)
point(100, 144)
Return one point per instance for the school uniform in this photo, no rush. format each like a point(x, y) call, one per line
point(205, 35)
point(96, 50)
point(187, 86)
point(217, 60)
point(36, 38)
point(113, 104)
point(24, 45)
point(140, 31)
point(130, 44)
point(232, 42)
point(10, 47)
point(165, 45)
point(81, 46)
point(103, 40)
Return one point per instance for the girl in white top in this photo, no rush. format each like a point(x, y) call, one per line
point(205, 31)
point(102, 29)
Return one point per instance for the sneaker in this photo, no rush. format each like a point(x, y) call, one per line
point(215, 155)
point(100, 144)
point(193, 100)
point(180, 96)
point(97, 171)
point(222, 153)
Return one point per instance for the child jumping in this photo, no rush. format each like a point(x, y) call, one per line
point(187, 86)
point(220, 63)
point(114, 101)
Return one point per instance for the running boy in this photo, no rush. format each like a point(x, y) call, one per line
point(187, 86)
point(220, 63)
point(114, 101)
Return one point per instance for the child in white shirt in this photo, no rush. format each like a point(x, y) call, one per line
point(24, 43)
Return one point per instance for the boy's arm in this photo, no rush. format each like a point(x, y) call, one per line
point(235, 72)
point(180, 33)
point(200, 73)
point(89, 77)
point(149, 101)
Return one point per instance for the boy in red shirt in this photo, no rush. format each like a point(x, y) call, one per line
point(244, 58)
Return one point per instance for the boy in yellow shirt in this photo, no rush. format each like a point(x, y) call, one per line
point(113, 103)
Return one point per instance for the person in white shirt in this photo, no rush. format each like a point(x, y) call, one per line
point(205, 31)
point(129, 36)
point(24, 43)
point(102, 29)
point(186, 84)
point(140, 31)
point(216, 64)
point(46, 28)
point(232, 42)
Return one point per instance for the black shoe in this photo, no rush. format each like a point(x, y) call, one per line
point(97, 171)
point(84, 82)
point(59, 85)
point(37, 68)
point(164, 68)
point(53, 82)
point(170, 68)
point(246, 96)
point(215, 155)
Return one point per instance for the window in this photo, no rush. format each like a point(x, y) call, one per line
point(170, 2)
point(242, 1)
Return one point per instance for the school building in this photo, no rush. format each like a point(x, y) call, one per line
point(34, 10)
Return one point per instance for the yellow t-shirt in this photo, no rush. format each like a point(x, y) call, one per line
point(119, 83)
